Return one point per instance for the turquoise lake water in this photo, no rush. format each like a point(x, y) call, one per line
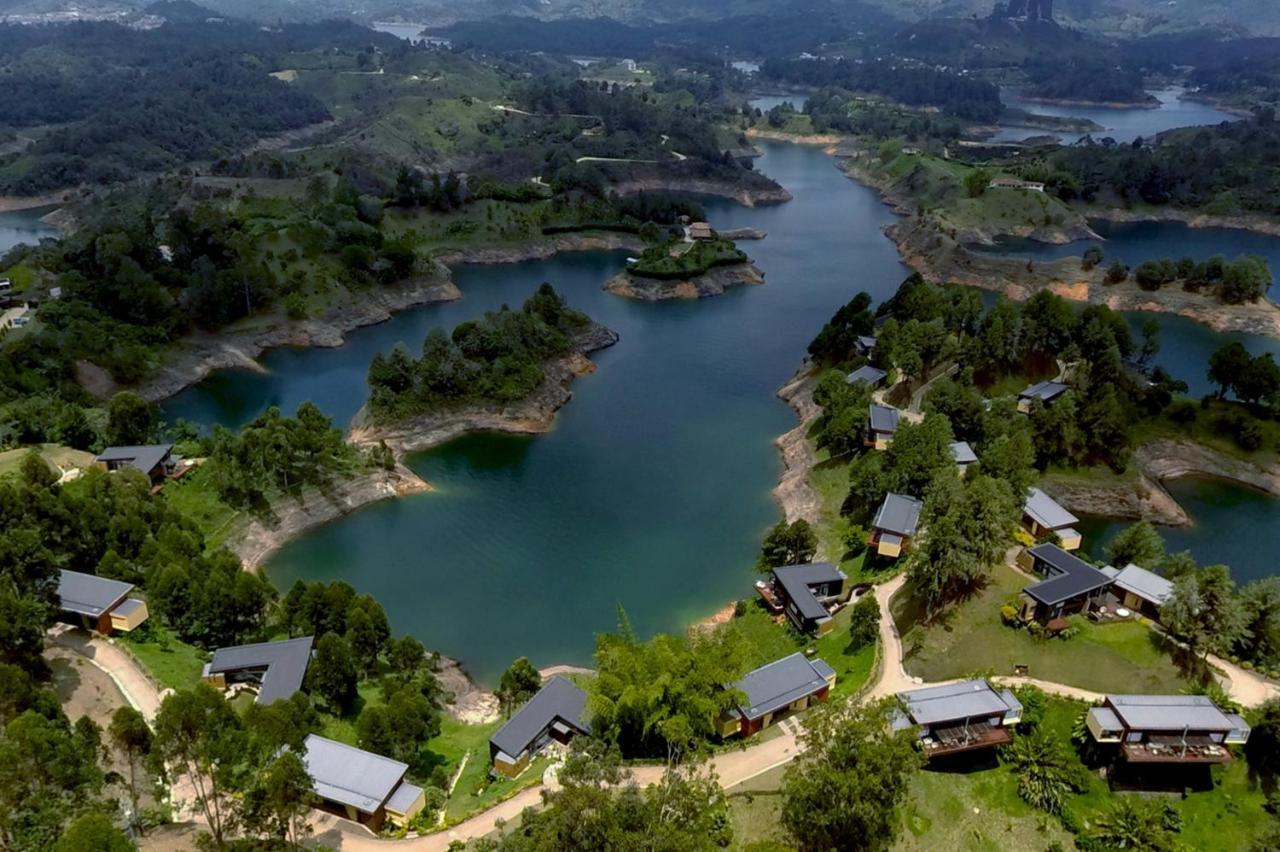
point(1122, 125)
point(652, 492)
point(24, 226)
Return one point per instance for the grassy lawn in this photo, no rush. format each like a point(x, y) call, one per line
point(977, 809)
point(172, 662)
point(195, 497)
point(56, 455)
point(830, 479)
point(475, 790)
point(1119, 657)
point(773, 641)
point(755, 808)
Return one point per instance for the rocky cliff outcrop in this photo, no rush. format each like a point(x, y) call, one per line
point(531, 415)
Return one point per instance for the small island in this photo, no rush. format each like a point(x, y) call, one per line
point(506, 372)
point(705, 264)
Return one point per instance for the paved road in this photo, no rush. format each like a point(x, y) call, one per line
point(136, 685)
point(733, 768)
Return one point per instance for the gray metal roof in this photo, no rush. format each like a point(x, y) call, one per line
point(283, 665)
point(403, 798)
point(775, 685)
point(351, 776)
point(127, 607)
point(1046, 511)
point(969, 699)
point(866, 342)
point(86, 594)
point(144, 458)
point(1145, 584)
point(898, 514)
point(963, 453)
point(1044, 391)
point(1069, 576)
point(870, 375)
point(1105, 719)
point(796, 580)
point(883, 418)
point(1169, 713)
point(558, 700)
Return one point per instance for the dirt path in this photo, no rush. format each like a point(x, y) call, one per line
point(125, 672)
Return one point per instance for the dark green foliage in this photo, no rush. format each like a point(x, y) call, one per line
point(1087, 79)
point(50, 774)
point(277, 454)
point(333, 673)
point(518, 684)
point(598, 806)
point(499, 357)
point(131, 420)
point(93, 832)
point(1139, 544)
point(678, 720)
point(698, 259)
point(401, 725)
point(964, 97)
point(845, 788)
point(788, 544)
point(844, 413)
point(1142, 825)
point(1047, 773)
point(1263, 747)
point(836, 342)
point(864, 622)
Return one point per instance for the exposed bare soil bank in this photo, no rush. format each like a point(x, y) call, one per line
point(532, 415)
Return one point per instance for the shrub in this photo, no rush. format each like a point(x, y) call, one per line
point(1008, 614)
point(1182, 411)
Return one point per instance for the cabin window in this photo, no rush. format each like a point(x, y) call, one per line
point(1134, 737)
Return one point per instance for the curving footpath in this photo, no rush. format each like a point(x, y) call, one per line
point(732, 768)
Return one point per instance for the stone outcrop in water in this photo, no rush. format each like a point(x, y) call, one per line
point(531, 415)
point(711, 283)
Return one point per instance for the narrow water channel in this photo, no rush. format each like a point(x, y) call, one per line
point(653, 490)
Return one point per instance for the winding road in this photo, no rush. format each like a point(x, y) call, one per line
point(732, 768)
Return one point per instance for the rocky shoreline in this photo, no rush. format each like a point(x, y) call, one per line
point(714, 282)
point(545, 248)
point(1144, 497)
point(793, 493)
point(533, 415)
point(199, 355)
point(259, 538)
point(747, 196)
point(1253, 222)
point(938, 256)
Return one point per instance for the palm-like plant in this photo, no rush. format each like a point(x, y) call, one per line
point(1044, 769)
point(1140, 825)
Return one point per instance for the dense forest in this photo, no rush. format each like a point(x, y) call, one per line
point(1225, 169)
point(127, 101)
point(1094, 80)
point(964, 97)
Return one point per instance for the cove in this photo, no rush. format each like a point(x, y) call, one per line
point(1234, 526)
point(24, 226)
point(1122, 124)
point(652, 491)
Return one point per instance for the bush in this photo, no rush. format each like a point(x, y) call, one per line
point(1182, 411)
point(1008, 614)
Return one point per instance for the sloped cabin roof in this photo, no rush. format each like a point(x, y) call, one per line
point(777, 684)
point(884, 419)
point(1045, 392)
point(870, 375)
point(86, 594)
point(962, 453)
point(1069, 576)
point(1046, 511)
point(558, 700)
point(796, 581)
point(898, 514)
point(1141, 582)
point(351, 776)
point(284, 665)
point(144, 458)
point(969, 699)
point(1169, 713)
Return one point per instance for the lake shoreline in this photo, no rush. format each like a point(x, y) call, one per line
point(1252, 222)
point(196, 357)
point(1145, 496)
point(533, 415)
point(713, 282)
point(794, 494)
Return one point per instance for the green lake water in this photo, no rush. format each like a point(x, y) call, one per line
point(1234, 526)
point(652, 491)
point(24, 226)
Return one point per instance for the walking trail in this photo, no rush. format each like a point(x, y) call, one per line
point(732, 768)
